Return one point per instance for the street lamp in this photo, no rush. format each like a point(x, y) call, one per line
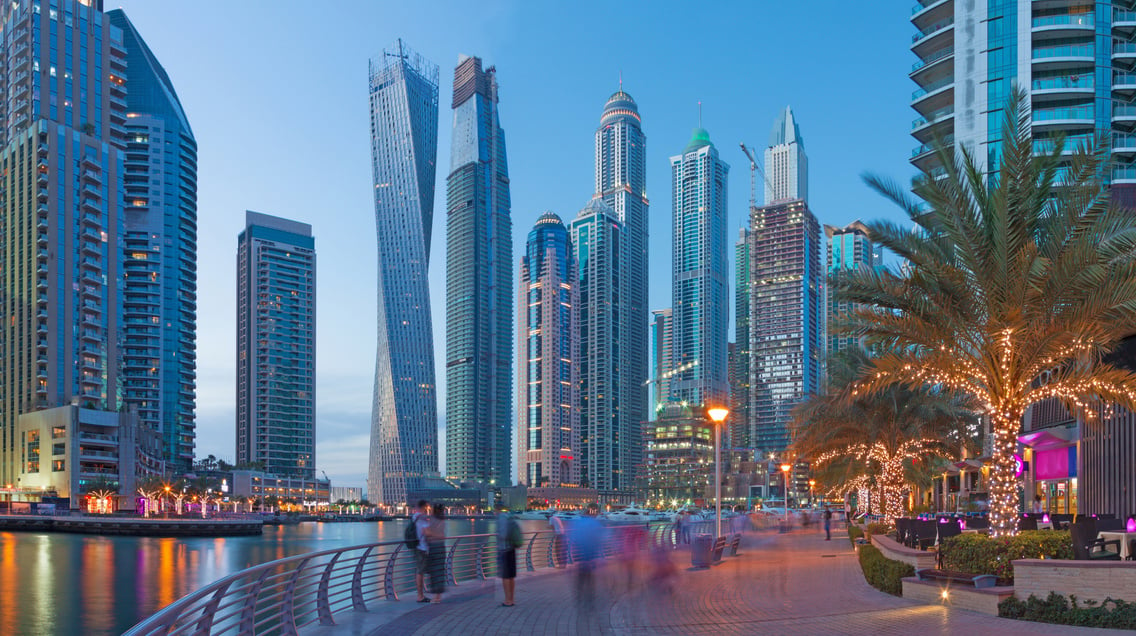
point(812, 482)
point(785, 471)
point(718, 415)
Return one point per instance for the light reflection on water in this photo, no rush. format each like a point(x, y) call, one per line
point(53, 583)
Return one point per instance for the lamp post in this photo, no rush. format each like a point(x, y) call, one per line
point(785, 471)
point(812, 482)
point(718, 414)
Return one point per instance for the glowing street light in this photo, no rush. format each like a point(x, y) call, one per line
point(812, 482)
point(718, 414)
point(785, 468)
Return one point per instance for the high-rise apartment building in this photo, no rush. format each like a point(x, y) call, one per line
point(621, 182)
point(1074, 59)
point(61, 219)
point(548, 410)
point(849, 250)
point(661, 356)
point(159, 342)
point(404, 150)
point(700, 303)
point(785, 318)
point(479, 285)
point(276, 349)
point(740, 356)
point(609, 443)
point(786, 166)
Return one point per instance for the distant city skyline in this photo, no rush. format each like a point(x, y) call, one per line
point(319, 172)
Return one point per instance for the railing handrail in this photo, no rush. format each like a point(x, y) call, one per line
point(242, 602)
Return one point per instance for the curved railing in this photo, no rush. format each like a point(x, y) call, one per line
point(283, 596)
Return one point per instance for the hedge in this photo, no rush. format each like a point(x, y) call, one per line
point(854, 532)
point(881, 572)
point(1055, 609)
point(979, 554)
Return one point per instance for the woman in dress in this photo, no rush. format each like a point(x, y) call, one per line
point(436, 540)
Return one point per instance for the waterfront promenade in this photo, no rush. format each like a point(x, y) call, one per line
point(795, 583)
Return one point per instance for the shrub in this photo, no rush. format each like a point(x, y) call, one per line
point(1055, 609)
point(881, 572)
point(979, 554)
point(879, 528)
point(854, 532)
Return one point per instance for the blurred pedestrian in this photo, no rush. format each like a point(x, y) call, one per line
point(587, 535)
point(436, 540)
point(420, 520)
point(827, 523)
point(559, 539)
point(509, 538)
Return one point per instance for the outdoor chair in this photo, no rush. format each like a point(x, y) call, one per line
point(1027, 523)
point(1060, 521)
point(949, 529)
point(925, 532)
point(902, 529)
point(1132, 549)
point(1086, 545)
point(977, 523)
point(1110, 525)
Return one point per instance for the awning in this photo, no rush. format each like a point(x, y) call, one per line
point(1048, 438)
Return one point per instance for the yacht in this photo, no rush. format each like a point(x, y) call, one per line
point(535, 515)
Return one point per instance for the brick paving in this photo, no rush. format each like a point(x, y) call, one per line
point(795, 583)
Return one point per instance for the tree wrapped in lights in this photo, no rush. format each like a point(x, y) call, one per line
point(851, 436)
point(1016, 286)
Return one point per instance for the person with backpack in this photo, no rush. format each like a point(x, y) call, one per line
point(436, 543)
point(509, 538)
point(415, 537)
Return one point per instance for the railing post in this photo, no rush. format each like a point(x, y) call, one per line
point(481, 545)
point(528, 552)
point(388, 575)
point(323, 605)
point(248, 612)
point(205, 623)
point(450, 562)
point(357, 602)
point(287, 601)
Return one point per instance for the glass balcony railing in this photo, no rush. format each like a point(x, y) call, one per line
point(1072, 142)
point(1079, 19)
point(932, 87)
point(1071, 50)
point(932, 146)
point(1123, 79)
point(934, 57)
point(923, 4)
point(933, 29)
point(1123, 15)
point(942, 112)
point(1075, 112)
point(1124, 110)
point(1124, 47)
point(1064, 81)
point(1123, 140)
point(1127, 173)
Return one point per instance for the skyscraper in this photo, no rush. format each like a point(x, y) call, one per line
point(404, 150)
point(849, 250)
point(1074, 59)
point(700, 304)
point(786, 166)
point(661, 357)
point(548, 435)
point(276, 349)
point(609, 443)
point(159, 354)
point(621, 182)
point(479, 285)
point(785, 318)
point(741, 358)
point(61, 218)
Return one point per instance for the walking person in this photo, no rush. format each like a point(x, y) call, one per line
point(587, 535)
point(436, 541)
point(827, 523)
point(559, 540)
point(509, 538)
point(419, 521)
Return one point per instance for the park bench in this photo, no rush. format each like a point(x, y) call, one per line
point(735, 541)
point(978, 581)
point(716, 553)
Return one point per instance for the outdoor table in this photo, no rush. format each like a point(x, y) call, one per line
point(1123, 536)
point(1044, 525)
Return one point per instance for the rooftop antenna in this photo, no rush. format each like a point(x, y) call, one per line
point(621, 80)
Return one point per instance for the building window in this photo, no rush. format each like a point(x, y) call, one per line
point(31, 454)
point(58, 465)
point(58, 432)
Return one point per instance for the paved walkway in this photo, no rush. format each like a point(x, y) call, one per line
point(778, 584)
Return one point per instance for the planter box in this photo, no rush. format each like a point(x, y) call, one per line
point(1088, 580)
point(984, 601)
point(892, 549)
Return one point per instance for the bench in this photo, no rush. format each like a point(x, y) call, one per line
point(734, 542)
point(978, 581)
point(716, 553)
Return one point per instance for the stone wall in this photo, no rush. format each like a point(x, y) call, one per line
point(984, 601)
point(1088, 580)
point(896, 551)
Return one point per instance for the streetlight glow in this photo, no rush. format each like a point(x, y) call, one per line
point(718, 414)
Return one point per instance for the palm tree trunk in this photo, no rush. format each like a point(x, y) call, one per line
point(1003, 488)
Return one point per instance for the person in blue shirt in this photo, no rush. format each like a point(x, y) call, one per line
point(587, 536)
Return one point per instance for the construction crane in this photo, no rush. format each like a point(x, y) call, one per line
point(754, 168)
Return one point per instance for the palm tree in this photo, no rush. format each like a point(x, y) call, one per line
point(847, 433)
point(151, 489)
point(1016, 286)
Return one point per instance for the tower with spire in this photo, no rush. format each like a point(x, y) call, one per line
point(786, 165)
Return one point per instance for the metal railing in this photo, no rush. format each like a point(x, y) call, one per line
point(284, 596)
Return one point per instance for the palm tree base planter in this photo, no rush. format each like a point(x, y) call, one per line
point(953, 595)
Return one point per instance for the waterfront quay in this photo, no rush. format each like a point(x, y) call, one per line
point(794, 583)
point(132, 526)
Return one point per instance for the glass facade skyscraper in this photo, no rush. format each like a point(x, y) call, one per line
point(700, 303)
point(786, 165)
point(661, 356)
point(548, 410)
point(61, 218)
point(621, 182)
point(608, 442)
point(404, 150)
point(479, 285)
point(159, 352)
point(740, 358)
point(849, 250)
point(276, 348)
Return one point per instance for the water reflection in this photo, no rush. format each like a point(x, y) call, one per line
point(79, 584)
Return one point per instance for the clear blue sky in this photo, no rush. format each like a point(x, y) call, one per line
point(276, 93)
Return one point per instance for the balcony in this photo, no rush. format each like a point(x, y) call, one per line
point(1065, 56)
point(1124, 85)
point(1124, 173)
point(1124, 144)
point(933, 37)
point(1072, 83)
point(1063, 117)
point(1123, 23)
point(1124, 52)
point(923, 150)
point(931, 60)
point(931, 89)
point(936, 123)
point(1068, 24)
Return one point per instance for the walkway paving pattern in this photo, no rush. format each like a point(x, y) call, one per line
point(795, 583)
